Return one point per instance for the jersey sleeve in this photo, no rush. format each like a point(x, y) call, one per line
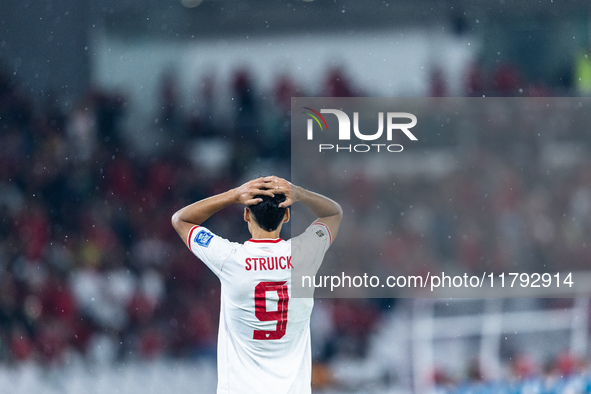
point(309, 247)
point(212, 249)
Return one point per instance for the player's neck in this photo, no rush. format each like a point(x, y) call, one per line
point(259, 233)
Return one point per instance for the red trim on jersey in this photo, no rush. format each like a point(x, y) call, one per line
point(327, 229)
point(189, 237)
point(273, 241)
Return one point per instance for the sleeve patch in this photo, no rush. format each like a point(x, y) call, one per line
point(320, 233)
point(203, 238)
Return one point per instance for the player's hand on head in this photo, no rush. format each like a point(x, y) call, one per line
point(281, 186)
point(246, 193)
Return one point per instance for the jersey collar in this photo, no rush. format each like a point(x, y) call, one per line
point(266, 240)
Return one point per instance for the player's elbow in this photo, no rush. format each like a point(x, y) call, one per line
point(176, 220)
point(338, 211)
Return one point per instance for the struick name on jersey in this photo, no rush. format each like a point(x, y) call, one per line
point(268, 263)
point(393, 124)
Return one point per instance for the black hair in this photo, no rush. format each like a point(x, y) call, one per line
point(267, 213)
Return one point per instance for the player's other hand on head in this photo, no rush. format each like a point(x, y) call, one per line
point(246, 193)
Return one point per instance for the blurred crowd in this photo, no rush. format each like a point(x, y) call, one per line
point(91, 266)
point(565, 373)
point(90, 263)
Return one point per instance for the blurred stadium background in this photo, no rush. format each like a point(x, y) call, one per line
point(114, 114)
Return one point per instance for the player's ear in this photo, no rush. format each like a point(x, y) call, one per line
point(246, 214)
point(286, 217)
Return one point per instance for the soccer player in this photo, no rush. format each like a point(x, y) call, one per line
point(264, 334)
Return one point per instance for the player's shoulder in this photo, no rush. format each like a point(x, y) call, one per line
point(321, 230)
point(317, 230)
point(203, 237)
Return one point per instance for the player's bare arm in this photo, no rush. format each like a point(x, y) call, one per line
point(198, 212)
point(328, 211)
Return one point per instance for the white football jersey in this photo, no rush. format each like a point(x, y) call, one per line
point(264, 334)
